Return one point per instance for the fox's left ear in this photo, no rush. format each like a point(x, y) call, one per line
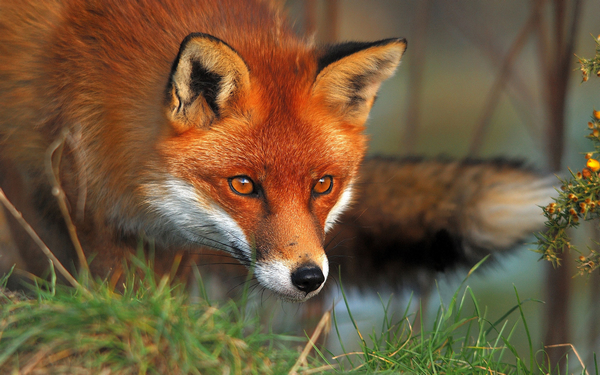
point(349, 75)
point(207, 78)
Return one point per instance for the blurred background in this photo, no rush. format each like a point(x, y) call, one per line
point(484, 79)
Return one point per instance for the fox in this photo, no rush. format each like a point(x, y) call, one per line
point(194, 124)
point(203, 126)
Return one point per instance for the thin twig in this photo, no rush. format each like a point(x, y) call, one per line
point(574, 351)
point(74, 141)
point(38, 241)
point(519, 93)
point(310, 17)
point(318, 370)
point(594, 300)
point(500, 82)
point(311, 342)
point(34, 361)
point(415, 80)
point(543, 49)
point(558, 281)
point(59, 193)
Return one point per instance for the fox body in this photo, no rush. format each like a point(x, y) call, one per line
point(196, 123)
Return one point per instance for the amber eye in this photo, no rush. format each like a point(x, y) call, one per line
point(241, 185)
point(324, 185)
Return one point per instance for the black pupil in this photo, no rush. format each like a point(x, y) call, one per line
point(323, 185)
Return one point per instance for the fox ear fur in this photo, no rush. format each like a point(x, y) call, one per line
point(349, 75)
point(206, 77)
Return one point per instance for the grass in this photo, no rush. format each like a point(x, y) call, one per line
point(150, 327)
point(455, 344)
point(153, 326)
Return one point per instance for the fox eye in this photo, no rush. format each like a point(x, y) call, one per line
point(323, 186)
point(242, 185)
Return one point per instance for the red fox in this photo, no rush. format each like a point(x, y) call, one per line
point(210, 124)
point(194, 123)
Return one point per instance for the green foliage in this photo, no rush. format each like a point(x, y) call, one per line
point(591, 66)
point(153, 327)
point(579, 197)
point(456, 343)
point(149, 327)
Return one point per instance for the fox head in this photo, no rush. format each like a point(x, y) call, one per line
point(262, 150)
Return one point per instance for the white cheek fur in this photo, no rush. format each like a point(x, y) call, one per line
point(340, 206)
point(191, 216)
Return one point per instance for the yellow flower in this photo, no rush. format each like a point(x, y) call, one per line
point(593, 165)
point(597, 114)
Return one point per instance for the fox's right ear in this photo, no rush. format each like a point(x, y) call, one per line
point(349, 75)
point(206, 77)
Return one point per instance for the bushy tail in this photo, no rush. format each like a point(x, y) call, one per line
point(412, 215)
point(506, 213)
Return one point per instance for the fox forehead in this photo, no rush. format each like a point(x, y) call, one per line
point(284, 146)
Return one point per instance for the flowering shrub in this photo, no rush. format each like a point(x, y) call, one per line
point(579, 197)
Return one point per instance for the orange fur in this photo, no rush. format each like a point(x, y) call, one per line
point(156, 135)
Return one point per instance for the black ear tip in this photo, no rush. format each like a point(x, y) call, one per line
point(332, 53)
point(206, 75)
point(197, 35)
point(403, 41)
point(393, 40)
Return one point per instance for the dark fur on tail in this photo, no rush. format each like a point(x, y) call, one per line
point(415, 217)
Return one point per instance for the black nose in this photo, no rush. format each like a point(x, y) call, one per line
point(308, 278)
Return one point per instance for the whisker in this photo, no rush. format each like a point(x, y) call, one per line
point(240, 284)
point(340, 243)
point(231, 234)
point(210, 264)
point(263, 300)
point(225, 245)
point(343, 256)
point(203, 244)
point(227, 255)
point(331, 240)
point(233, 251)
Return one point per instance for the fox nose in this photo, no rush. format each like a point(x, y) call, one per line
point(308, 278)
